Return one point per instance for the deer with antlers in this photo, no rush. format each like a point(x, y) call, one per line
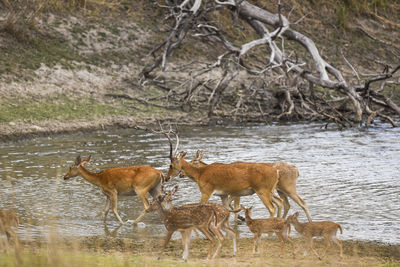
point(227, 179)
point(286, 186)
point(184, 219)
point(114, 181)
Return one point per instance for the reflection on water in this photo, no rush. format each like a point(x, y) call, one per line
point(351, 177)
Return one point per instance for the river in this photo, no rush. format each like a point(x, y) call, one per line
point(351, 177)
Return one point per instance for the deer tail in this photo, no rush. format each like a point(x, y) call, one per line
point(340, 228)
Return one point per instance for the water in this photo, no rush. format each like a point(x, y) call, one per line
point(350, 177)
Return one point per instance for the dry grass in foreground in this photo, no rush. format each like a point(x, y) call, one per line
point(108, 251)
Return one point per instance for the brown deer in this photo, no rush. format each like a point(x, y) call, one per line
point(286, 186)
point(326, 229)
point(186, 218)
point(223, 215)
point(279, 226)
point(8, 219)
point(226, 179)
point(115, 181)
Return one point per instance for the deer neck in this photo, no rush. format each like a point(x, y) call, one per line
point(298, 226)
point(191, 171)
point(91, 177)
point(248, 219)
point(163, 212)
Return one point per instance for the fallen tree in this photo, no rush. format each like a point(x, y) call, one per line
point(308, 88)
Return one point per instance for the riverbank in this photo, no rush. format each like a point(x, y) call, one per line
point(110, 251)
point(80, 70)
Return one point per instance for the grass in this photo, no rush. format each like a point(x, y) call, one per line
point(57, 107)
point(108, 251)
point(27, 57)
point(62, 258)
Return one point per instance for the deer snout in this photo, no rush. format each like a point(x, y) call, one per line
point(66, 177)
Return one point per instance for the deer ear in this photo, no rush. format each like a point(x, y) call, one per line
point(296, 214)
point(183, 154)
point(78, 160)
point(175, 189)
point(85, 161)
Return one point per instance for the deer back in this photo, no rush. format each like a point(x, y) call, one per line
point(321, 228)
point(127, 178)
point(233, 177)
point(190, 216)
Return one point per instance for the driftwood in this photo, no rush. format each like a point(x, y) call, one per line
point(295, 79)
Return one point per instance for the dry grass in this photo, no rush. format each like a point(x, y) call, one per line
point(109, 251)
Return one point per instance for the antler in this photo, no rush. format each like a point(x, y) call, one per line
point(199, 155)
point(172, 152)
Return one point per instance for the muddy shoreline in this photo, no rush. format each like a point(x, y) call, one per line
point(17, 131)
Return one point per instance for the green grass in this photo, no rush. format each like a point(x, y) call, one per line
point(26, 57)
point(58, 107)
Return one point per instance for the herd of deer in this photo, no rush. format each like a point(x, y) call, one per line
point(228, 181)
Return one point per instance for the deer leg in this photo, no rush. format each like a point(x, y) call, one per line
point(220, 236)
point(266, 199)
point(185, 243)
point(328, 244)
point(302, 204)
point(225, 200)
point(286, 204)
point(278, 202)
point(339, 243)
point(256, 239)
point(166, 241)
point(205, 196)
point(287, 237)
point(113, 199)
point(310, 245)
point(282, 239)
point(204, 229)
point(106, 208)
point(231, 232)
point(142, 195)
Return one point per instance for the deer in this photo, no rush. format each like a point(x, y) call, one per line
point(223, 215)
point(286, 186)
point(276, 225)
point(226, 179)
point(116, 181)
point(184, 219)
point(325, 229)
point(8, 219)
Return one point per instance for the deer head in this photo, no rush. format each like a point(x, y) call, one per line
point(73, 170)
point(247, 211)
point(176, 165)
point(293, 218)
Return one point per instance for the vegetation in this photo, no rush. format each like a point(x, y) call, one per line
point(112, 251)
point(112, 40)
